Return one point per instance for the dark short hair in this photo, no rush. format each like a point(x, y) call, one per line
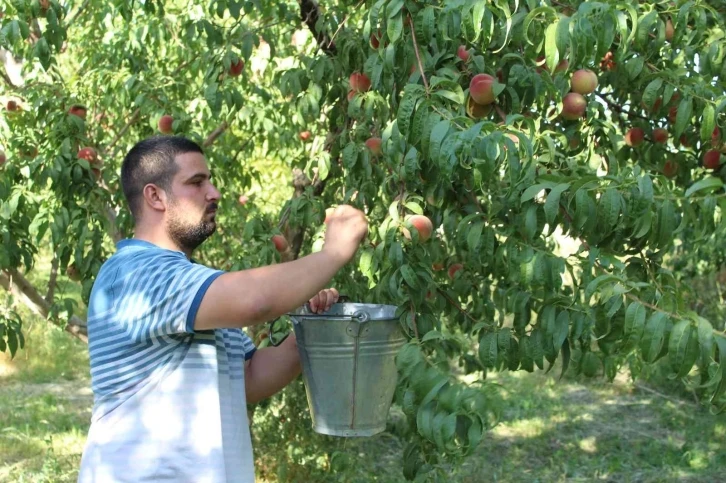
point(152, 161)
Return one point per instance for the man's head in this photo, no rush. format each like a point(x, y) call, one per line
point(166, 183)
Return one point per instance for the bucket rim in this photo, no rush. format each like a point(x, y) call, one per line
point(347, 309)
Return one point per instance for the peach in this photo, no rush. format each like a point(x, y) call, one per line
point(634, 136)
point(422, 224)
point(280, 243)
point(573, 106)
point(477, 111)
point(660, 135)
point(462, 53)
point(480, 89)
point(670, 168)
point(712, 159)
point(165, 124)
point(584, 81)
point(235, 68)
point(374, 144)
point(359, 82)
point(454, 268)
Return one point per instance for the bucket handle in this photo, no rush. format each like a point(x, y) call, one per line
point(360, 316)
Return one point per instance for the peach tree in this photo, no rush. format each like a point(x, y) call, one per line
point(537, 175)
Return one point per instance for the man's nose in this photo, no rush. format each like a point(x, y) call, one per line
point(214, 194)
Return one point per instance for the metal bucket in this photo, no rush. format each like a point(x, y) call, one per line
point(348, 366)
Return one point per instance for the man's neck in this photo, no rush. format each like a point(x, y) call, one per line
point(159, 239)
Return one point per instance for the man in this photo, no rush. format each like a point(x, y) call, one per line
point(171, 368)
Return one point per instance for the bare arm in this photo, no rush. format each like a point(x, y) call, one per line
point(271, 369)
point(249, 297)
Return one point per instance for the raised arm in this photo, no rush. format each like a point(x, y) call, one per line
point(248, 297)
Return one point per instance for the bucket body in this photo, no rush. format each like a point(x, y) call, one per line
point(348, 366)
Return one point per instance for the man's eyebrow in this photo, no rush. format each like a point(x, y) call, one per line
point(199, 176)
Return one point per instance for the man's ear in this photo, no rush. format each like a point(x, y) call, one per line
point(155, 197)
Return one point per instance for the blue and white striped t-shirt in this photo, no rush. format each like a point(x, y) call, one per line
point(169, 402)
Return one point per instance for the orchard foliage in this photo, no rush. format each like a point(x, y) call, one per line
point(511, 125)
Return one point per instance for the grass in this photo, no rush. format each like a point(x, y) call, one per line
point(573, 430)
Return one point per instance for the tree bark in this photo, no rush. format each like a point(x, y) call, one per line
point(16, 283)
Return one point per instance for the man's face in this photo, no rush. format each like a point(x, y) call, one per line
point(192, 205)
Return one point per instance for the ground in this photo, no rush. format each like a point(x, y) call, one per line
point(553, 431)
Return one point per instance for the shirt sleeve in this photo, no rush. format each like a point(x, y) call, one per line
point(248, 345)
point(161, 296)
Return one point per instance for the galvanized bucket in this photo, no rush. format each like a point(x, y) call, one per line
point(348, 365)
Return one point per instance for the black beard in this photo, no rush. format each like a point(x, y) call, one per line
point(189, 237)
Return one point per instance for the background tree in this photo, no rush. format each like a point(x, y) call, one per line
point(477, 136)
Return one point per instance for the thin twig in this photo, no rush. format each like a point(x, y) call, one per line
point(418, 54)
point(501, 113)
point(457, 306)
point(340, 27)
point(134, 116)
point(653, 391)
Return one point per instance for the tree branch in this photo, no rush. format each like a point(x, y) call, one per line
point(418, 54)
point(80, 10)
point(53, 279)
point(619, 109)
point(310, 14)
point(14, 282)
point(215, 134)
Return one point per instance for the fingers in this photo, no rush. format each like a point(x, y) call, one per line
point(314, 303)
point(323, 300)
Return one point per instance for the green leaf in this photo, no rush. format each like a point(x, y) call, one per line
point(595, 284)
point(394, 27)
point(409, 275)
point(677, 346)
point(565, 357)
point(438, 134)
point(323, 165)
point(552, 55)
point(653, 336)
point(552, 204)
point(488, 349)
point(562, 328)
point(721, 388)
point(644, 27)
point(703, 184)
point(651, 92)
point(634, 67)
point(432, 335)
point(683, 116)
point(609, 207)
point(424, 420)
point(590, 364)
point(406, 109)
point(666, 223)
point(12, 343)
point(708, 123)
point(533, 190)
point(705, 340)
point(474, 236)
point(634, 325)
